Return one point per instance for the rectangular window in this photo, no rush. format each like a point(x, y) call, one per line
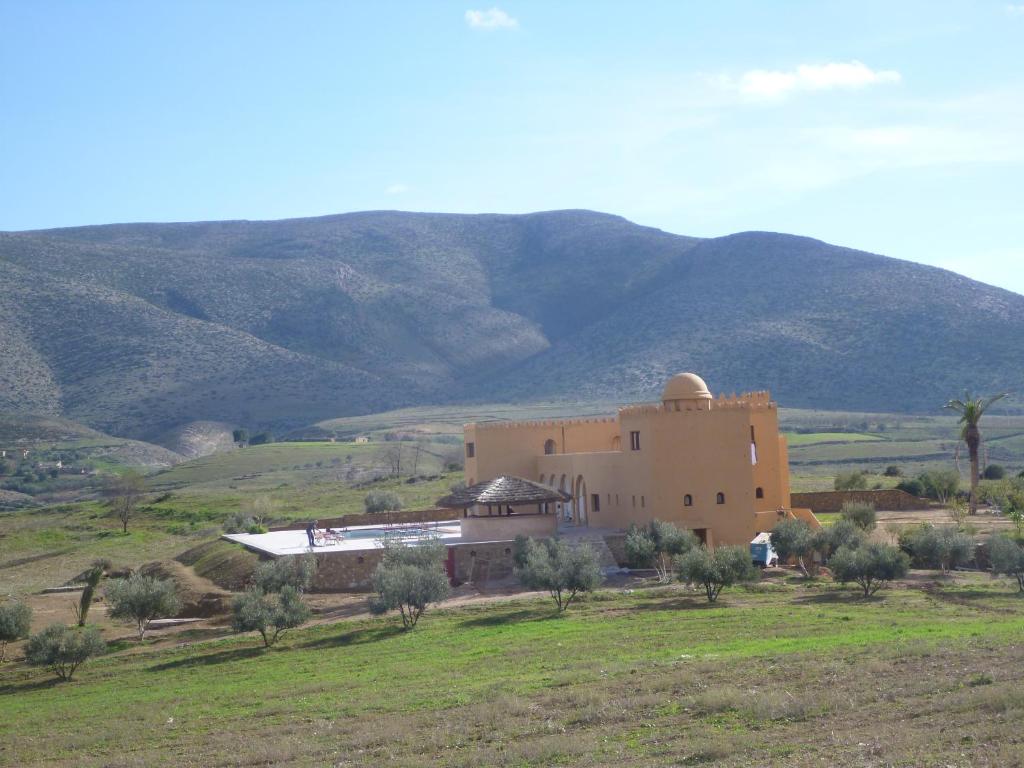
point(634, 441)
point(595, 502)
point(642, 503)
point(753, 454)
point(470, 450)
point(634, 502)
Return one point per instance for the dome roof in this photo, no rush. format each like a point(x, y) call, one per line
point(686, 386)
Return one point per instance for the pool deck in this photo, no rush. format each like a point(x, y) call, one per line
point(281, 543)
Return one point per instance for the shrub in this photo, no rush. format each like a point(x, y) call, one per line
point(270, 615)
point(860, 514)
point(382, 501)
point(940, 484)
point(520, 549)
point(1007, 558)
point(563, 571)
point(141, 599)
point(239, 522)
point(64, 650)
point(871, 566)
point(893, 471)
point(851, 481)
point(410, 578)
point(15, 620)
point(639, 548)
point(933, 546)
point(994, 472)
point(723, 567)
point(794, 538)
point(296, 572)
point(911, 485)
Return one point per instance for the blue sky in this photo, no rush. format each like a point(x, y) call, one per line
point(896, 127)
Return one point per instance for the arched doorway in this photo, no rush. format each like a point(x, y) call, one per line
point(581, 501)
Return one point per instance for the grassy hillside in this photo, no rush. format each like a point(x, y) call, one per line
point(139, 329)
point(786, 674)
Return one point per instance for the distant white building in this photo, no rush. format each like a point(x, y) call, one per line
point(361, 439)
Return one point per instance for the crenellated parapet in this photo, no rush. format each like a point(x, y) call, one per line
point(542, 423)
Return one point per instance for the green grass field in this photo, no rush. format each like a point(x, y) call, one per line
point(787, 674)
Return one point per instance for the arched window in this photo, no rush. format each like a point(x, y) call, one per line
point(720, 498)
point(541, 481)
point(687, 500)
point(759, 492)
point(616, 443)
point(549, 447)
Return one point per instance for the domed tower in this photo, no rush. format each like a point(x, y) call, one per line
point(686, 390)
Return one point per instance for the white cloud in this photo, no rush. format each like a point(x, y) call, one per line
point(775, 84)
point(396, 189)
point(1015, 10)
point(492, 18)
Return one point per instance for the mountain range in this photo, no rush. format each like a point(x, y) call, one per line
point(141, 329)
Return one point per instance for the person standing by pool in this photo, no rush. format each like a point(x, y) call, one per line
point(309, 532)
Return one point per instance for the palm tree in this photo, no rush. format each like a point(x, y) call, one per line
point(971, 410)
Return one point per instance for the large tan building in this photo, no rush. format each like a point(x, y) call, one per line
point(717, 466)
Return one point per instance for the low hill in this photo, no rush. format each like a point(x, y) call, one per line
point(139, 329)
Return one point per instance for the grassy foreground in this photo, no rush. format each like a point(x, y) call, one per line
point(782, 674)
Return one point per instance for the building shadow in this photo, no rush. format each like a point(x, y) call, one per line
point(357, 637)
point(210, 659)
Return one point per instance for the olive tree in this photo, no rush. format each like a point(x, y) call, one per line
point(938, 546)
point(1007, 558)
point(410, 578)
point(91, 579)
point(871, 566)
point(716, 570)
point(296, 571)
point(141, 599)
point(793, 538)
point(64, 650)
point(15, 620)
point(269, 614)
point(563, 571)
point(658, 545)
point(860, 514)
point(382, 501)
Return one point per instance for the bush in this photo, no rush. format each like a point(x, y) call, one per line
point(64, 650)
point(851, 481)
point(296, 572)
point(15, 620)
point(860, 514)
point(794, 538)
point(994, 472)
point(893, 471)
point(562, 570)
point(940, 484)
point(871, 566)
point(382, 501)
point(410, 578)
point(933, 546)
point(1007, 558)
point(723, 567)
point(239, 522)
point(520, 549)
point(141, 599)
point(911, 485)
point(270, 615)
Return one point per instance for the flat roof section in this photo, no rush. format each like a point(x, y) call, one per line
point(355, 538)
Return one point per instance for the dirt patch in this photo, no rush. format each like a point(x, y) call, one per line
point(199, 597)
point(229, 566)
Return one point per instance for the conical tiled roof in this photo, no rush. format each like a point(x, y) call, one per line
point(503, 490)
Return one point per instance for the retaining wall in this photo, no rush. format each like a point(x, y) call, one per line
point(832, 501)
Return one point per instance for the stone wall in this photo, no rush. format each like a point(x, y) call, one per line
point(832, 501)
point(479, 562)
point(345, 571)
point(507, 527)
